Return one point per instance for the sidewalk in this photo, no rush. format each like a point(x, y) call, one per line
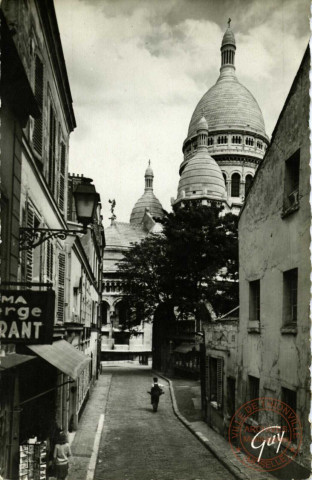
point(83, 443)
point(185, 396)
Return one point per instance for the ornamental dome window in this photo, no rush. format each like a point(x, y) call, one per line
point(210, 141)
point(237, 139)
point(249, 141)
point(222, 139)
point(235, 185)
point(259, 145)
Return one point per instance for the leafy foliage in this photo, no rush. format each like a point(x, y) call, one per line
point(194, 259)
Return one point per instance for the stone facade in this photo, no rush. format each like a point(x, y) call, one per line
point(274, 233)
point(117, 344)
point(221, 341)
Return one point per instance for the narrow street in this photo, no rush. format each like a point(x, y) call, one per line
point(138, 444)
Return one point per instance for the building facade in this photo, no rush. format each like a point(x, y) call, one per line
point(118, 344)
point(274, 232)
point(43, 386)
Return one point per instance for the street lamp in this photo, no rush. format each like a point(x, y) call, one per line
point(86, 199)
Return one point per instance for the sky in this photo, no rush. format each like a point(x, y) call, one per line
point(137, 69)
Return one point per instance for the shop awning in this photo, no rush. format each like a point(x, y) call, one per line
point(12, 360)
point(184, 348)
point(63, 356)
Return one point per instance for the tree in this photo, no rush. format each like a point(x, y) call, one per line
point(195, 259)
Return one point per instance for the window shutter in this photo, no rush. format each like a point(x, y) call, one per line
point(61, 287)
point(37, 133)
point(52, 136)
point(29, 252)
point(62, 177)
point(207, 393)
point(49, 260)
point(220, 382)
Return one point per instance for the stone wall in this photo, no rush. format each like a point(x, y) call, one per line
point(272, 242)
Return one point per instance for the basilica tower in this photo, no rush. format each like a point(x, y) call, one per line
point(148, 201)
point(236, 139)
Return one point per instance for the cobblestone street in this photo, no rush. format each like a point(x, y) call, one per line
point(138, 444)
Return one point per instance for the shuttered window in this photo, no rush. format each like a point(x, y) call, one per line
point(37, 133)
point(52, 138)
point(220, 382)
point(49, 259)
point(61, 197)
point(216, 381)
point(61, 287)
point(30, 218)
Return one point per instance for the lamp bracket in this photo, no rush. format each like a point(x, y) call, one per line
point(32, 237)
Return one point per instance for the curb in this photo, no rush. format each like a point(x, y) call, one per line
point(202, 438)
point(97, 439)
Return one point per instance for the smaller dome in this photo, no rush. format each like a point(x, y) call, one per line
point(202, 124)
point(147, 201)
point(202, 177)
point(228, 38)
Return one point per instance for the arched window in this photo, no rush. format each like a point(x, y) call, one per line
point(224, 176)
point(121, 313)
point(235, 185)
point(248, 183)
point(222, 139)
point(105, 310)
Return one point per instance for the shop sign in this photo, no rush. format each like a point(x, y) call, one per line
point(26, 316)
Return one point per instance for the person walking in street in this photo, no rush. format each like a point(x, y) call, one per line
point(61, 456)
point(155, 393)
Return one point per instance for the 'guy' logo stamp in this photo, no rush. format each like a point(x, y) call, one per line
point(265, 433)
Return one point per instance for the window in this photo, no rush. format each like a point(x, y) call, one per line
point(248, 183)
point(290, 296)
point(224, 177)
point(62, 168)
point(253, 391)
point(28, 255)
point(290, 398)
point(249, 141)
point(4, 237)
point(104, 312)
point(235, 186)
point(236, 139)
point(210, 141)
point(222, 139)
point(49, 260)
point(254, 300)
point(230, 394)
point(291, 184)
point(61, 287)
point(37, 133)
point(216, 380)
point(52, 137)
